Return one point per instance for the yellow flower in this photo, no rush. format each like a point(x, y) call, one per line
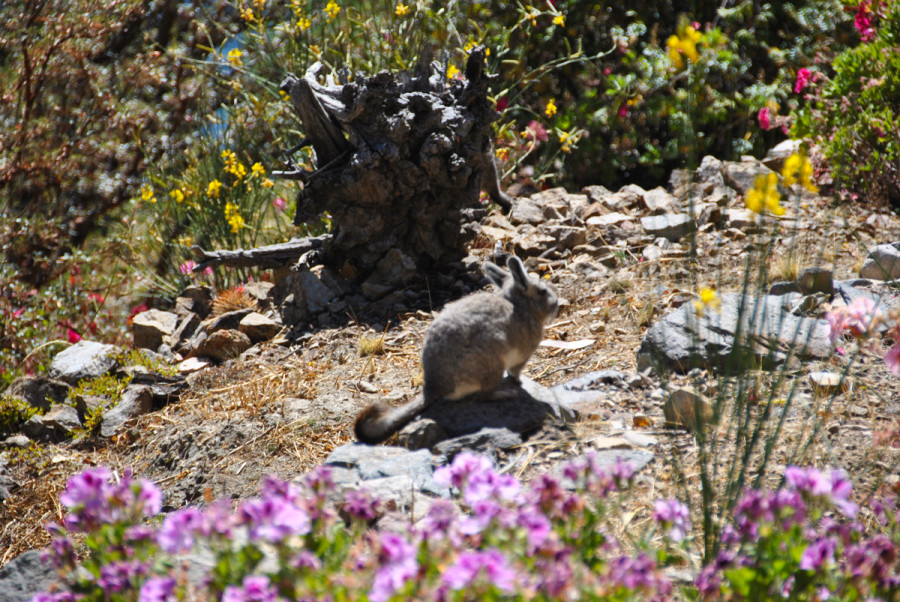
point(258, 169)
point(267, 183)
point(234, 57)
point(214, 187)
point(674, 48)
point(559, 19)
point(247, 14)
point(233, 217)
point(185, 241)
point(147, 194)
point(550, 110)
point(764, 195)
point(684, 44)
point(402, 10)
point(332, 9)
point(177, 195)
point(708, 298)
point(452, 71)
point(303, 23)
point(502, 153)
point(797, 168)
point(314, 48)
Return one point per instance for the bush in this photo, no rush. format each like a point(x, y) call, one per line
point(851, 114)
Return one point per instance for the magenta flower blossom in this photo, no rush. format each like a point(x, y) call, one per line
point(536, 132)
point(818, 553)
point(673, 516)
point(764, 118)
point(187, 268)
point(158, 589)
point(117, 577)
point(254, 588)
point(87, 496)
point(398, 565)
point(892, 359)
point(491, 563)
point(177, 532)
point(464, 465)
point(361, 505)
point(279, 204)
point(833, 486)
point(863, 22)
point(803, 77)
point(274, 517)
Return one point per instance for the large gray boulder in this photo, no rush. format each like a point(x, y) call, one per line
point(84, 360)
point(24, 576)
point(882, 263)
point(745, 331)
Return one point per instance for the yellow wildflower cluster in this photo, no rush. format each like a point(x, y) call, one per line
point(234, 57)
point(708, 298)
point(213, 189)
point(559, 20)
point(247, 14)
point(402, 10)
point(232, 165)
point(764, 195)
point(177, 194)
point(332, 9)
point(550, 110)
point(147, 194)
point(303, 23)
point(797, 168)
point(568, 140)
point(233, 217)
point(452, 71)
point(684, 44)
point(257, 170)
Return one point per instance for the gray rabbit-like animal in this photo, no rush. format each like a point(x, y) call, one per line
point(470, 345)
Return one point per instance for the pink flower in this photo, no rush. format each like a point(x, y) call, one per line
point(862, 315)
point(18, 312)
point(764, 118)
point(892, 359)
point(623, 111)
point(803, 77)
point(187, 267)
point(536, 131)
point(279, 204)
point(73, 336)
point(863, 22)
point(836, 323)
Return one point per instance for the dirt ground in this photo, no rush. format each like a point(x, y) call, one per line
point(283, 410)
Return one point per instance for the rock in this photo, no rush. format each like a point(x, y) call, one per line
point(88, 403)
point(18, 441)
point(318, 295)
point(556, 203)
point(672, 226)
point(681, 183)
point(26, 575)
point(393, 272)
point(741, 219)
point(192, 364)
point(137, 400)
point(651, 253)
point(779, 153)
point(187, 325)
point(828, 383)
point(258, 327)
point(710, 174)
point(686, 409)
point(230, 320)
point(486, 441)
point(38, 391)
point(517, 408)
point(223, 345)
point(593, 380)
point(421, 434)
point(530, 242)
point(816, 280)
point(682, 340)
point(882, 263)
point(659, 200)
point(392, 474)
point(565, 237)
point(784, 288)
point(526, 211)
point(596, 194)
point(57, 424)
point(259, 291)
point(151, 327)
point(741, 175)
point(609, 219)
point(200, 297)
point(84, 360)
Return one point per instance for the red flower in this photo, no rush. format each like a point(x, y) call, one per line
point(502, 103)
point(136, 310)
point(863, 22)
point(74, 337)
point(803, 77)
point(765, 119)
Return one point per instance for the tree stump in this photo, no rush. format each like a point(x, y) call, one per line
point(400, 160)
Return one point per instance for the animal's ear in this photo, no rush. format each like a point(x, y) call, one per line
point(518, 271)
point(495, 273)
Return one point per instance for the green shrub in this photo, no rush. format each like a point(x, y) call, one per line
point(852, 114)
point(14, 412)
